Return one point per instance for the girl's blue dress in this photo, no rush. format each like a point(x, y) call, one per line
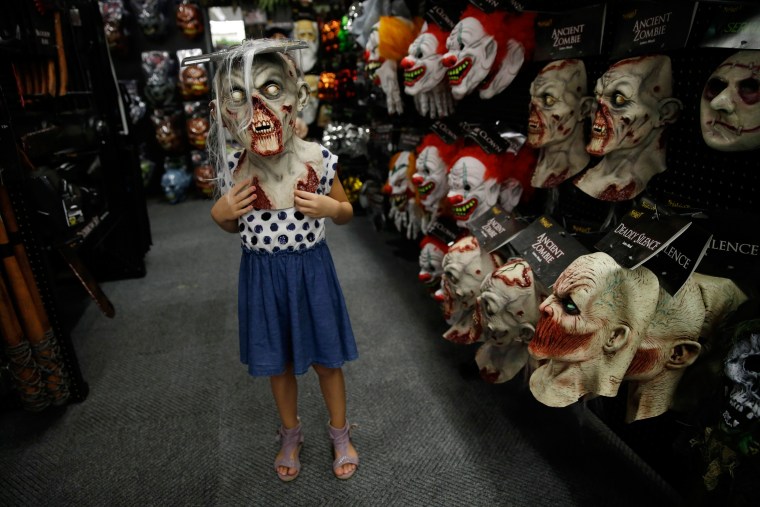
point(290, 303)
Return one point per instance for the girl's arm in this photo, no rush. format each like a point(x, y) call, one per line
point(234, 204)
point(334, 205)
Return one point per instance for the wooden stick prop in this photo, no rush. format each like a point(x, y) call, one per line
point(34, 319)
point(24, 370)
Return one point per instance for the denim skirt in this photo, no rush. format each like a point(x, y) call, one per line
point(291, 310)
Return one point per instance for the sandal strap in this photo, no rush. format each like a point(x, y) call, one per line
point(290, 440)
point(340, 438)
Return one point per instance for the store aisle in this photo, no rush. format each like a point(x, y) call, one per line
point(172, 417)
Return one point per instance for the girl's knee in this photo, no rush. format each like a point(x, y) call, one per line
point(324, 371)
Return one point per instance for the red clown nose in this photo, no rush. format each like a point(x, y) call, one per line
point(417, 180)
point(407, 63)
point(455, 199)
point(387, 189)
point(449, 60)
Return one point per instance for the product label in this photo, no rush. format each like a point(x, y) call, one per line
point(445, 229)
point(732, 26)
point(572, 34)
point(495, 227)
point(644, 27)
point(678, 260)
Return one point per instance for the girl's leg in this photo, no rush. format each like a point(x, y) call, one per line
point(285, 392)
point(333, 388)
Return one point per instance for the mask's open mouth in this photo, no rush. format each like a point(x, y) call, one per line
point(413, 76)
point(424, 190)
point(457, 73)
point(465, 210)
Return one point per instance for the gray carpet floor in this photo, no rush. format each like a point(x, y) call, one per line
point(172, 418)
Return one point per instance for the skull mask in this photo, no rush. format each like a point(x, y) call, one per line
point(743, 369)
point(730, 106)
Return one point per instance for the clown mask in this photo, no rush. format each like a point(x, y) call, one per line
point(423, 69)
point(430, 178)
point(431, 265)
point(470, 193)
point(729, 113)
point(471, 54)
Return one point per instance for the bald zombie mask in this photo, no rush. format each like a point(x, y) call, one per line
point(558, 108)
point(257, 98)
point(729, 113)
point(634, 104)
point(590, 329)
point(507, 310)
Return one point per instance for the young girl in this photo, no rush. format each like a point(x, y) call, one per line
point(275, 193)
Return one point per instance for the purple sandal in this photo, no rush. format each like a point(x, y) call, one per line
point(291, 442)
point(340, 438)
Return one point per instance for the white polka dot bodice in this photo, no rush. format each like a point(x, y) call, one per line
point(286, 229)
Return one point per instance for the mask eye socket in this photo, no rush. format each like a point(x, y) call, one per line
point(272, 90)
point(549, 101)
point(619, 99)
point(569, 306)
point(749, 91)
point(714, 87)
point(237, 95)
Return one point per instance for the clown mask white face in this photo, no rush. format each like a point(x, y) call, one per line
point(471, 54)
point(259, 109)
point(431, 266)
point(629, 97)
point(470, 193)
point(557, 105)
point(423, 69)
point(729, 112)
point(398, 181)
point(431, 177)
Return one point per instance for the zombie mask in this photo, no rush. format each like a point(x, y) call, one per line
point(634, 105)
point(423, 69)
point(464, 268)
point(730, 107)
point(742, 367)
point(499, 363)
point(193, 81)
point(629, 99)
point(258, 94)
point(669, 345)
point(590, 329)
point(307, 31)
point(197, 131)
point(189, 19)
point(150, 17)
point(461, 254)
point(558, 108)
point(508, 303)
point(431, 262)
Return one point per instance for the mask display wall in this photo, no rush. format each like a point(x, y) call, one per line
point(729, 112)
point(590, 329)
point(486, 51)
point(465, 266)
point(559, 107)
point(507, 309)
point(257, 96)
point(634, 105)
point(405, 211)
point(424, 73)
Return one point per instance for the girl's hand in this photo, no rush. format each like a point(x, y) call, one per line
point(316, 206)
point(234, 204)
